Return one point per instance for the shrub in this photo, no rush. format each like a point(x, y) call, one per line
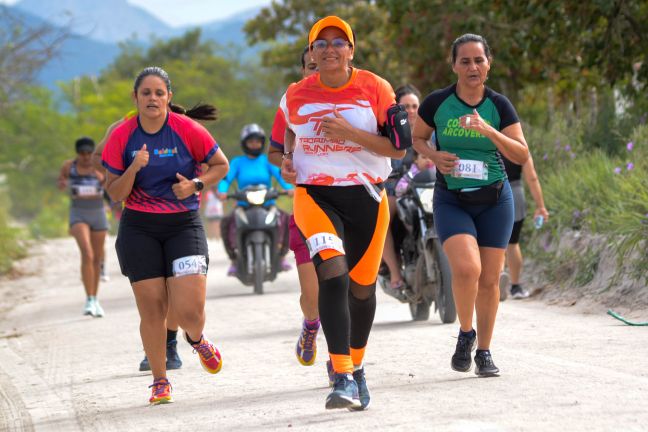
point(11, 240)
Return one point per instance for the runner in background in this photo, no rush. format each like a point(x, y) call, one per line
point(306, 348)
point(88, 224)
point(213, 214)
point(154, 165)
point(514, 258)
point(340, 162)
point(408, 96)
point(173, 360)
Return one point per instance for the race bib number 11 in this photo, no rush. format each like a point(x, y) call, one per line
point(473, 169)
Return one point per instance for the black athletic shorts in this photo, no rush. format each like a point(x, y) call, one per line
point(515, 234)
point(148, 243)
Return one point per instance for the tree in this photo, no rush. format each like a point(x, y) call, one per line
point(568, 45)
point(24, 50)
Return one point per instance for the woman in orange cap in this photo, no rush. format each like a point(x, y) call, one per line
point(338, 159)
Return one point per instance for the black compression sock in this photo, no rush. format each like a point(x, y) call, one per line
point(192, 342)
point(171, 335)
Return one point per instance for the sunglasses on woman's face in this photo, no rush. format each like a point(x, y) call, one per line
point(337, 43)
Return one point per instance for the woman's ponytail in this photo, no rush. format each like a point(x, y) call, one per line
point(197, 112)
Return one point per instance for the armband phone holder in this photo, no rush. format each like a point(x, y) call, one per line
point(397, 127)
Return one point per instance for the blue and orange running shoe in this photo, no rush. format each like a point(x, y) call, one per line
point(306, 349)
point(344, 393)
point(363, 390)
point(210, 357)
point(161, 393)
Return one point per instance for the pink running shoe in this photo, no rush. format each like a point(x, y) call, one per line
point(210, 357)
point(161, 393)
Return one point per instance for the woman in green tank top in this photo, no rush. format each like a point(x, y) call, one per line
point(473, 206)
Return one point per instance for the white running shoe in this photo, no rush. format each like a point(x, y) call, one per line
point(90, 308)
point(99, 312)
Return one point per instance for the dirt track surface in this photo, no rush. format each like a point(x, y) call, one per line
point(59, 370)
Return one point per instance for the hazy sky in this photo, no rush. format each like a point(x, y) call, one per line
point(181, 12)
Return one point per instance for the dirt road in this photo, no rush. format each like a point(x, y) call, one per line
point(59, 370)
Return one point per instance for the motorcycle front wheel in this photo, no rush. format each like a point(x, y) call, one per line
point(259, 268)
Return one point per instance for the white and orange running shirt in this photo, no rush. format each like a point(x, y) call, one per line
point(318, 160)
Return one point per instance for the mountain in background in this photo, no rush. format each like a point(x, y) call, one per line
point(105, 21)
point(230, 30)
point(78, 55)
point(98, 26)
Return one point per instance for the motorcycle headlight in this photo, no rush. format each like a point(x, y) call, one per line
point(425, 196)
point(256, 197)
point(270, 217)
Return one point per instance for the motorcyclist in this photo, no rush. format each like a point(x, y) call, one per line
point(252, 168)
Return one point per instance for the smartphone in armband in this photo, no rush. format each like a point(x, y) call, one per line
point(397, 127)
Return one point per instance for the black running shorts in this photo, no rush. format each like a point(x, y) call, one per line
point(148, 243)
point(517, 229)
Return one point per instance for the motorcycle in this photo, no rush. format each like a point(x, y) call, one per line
point(425, 267)
point(257, 258)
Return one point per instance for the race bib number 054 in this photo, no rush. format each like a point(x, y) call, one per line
point(473, 169)
point(190, 265)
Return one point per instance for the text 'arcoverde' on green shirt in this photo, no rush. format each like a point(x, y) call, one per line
point(442, 109)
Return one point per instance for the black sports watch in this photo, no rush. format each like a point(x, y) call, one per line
point(199, 184)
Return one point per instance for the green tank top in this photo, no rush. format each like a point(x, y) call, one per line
point(480, 162)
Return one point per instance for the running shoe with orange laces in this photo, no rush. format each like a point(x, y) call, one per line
point(161, 393)
point(210, 357)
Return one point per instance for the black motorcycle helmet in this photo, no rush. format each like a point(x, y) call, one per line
point(249, 131)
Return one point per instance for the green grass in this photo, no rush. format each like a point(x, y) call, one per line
point(11, 244)
point(597, 193)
